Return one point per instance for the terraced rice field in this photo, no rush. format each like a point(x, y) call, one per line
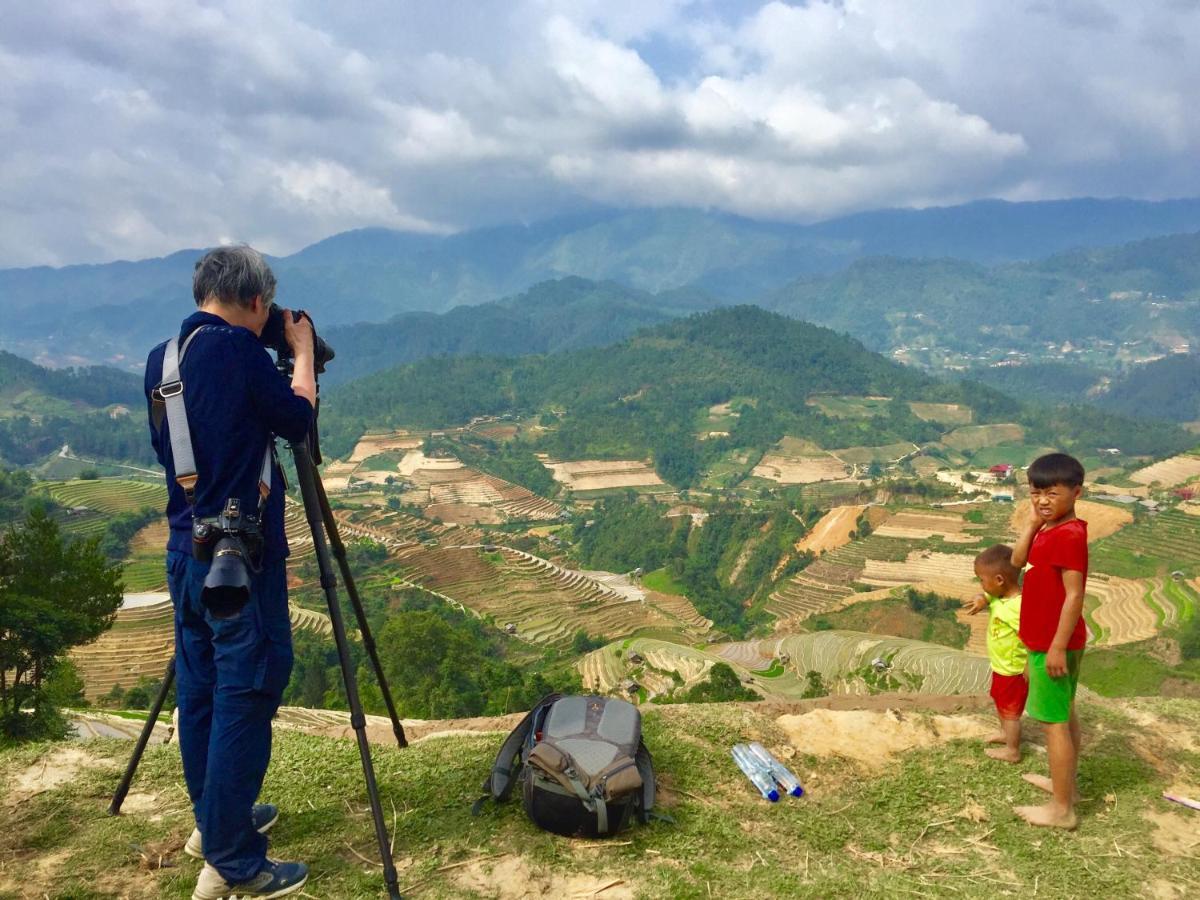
point(1170, 472)
point(816, 589)
point(942, 413)
point(601, 475)
point(108, 495)
point(546, 603)
point(839, 656)
point(1157, 545)
point(976, 437)
point(862, 456)
point(919, 525)
point(142, 641)
point(1122, 614)
point(921, 565)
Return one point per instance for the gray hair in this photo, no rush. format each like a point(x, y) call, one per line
point(233, 275)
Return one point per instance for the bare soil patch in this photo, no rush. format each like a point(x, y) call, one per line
point(872, 737)
point(54, 769)
point(598, 475)
point(374, 444)
point(833, 530)
point(1169, 472)
point(801, 470)
point(514, 878)
point(920, 526)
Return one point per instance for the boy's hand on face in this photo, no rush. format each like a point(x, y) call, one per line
point(1056, 662)
point(978, 603)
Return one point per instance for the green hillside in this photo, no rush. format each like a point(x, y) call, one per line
point(96, 410)
point(645, 397)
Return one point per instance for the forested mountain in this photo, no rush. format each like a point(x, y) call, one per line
point(1148, 291)
point(97, 410)
point(1167, 389)
point(112, 312)
point(566, 314)
point(646, 395)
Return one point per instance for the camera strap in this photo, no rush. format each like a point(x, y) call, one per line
point(170, 392)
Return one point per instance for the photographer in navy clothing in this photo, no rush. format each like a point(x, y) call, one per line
point(231, 668)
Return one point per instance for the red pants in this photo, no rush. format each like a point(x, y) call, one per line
point(1009, 692)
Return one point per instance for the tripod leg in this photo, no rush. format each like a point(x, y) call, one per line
point(364, 628)
point(114, 808)
point(306, 475)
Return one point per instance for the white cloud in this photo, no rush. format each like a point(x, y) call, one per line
point(134, 127)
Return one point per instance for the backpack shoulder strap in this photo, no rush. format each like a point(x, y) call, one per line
point(170, 391)
point(499, 784)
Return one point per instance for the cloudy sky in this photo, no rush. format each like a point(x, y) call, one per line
point(132, 128)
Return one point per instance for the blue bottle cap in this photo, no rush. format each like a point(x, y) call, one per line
point(773, 795)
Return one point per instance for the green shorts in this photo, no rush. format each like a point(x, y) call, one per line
point(1050, 699)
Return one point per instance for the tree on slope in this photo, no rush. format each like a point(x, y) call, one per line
point(55, 593)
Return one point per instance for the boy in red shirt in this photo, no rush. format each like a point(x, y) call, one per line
point(1052, 627)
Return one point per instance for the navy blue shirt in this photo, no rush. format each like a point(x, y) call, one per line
point(235, 400)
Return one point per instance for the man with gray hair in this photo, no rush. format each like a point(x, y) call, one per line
point(231, 669)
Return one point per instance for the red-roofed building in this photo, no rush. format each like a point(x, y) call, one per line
point(1002, 470)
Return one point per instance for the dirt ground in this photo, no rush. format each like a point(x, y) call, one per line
point(509, 877)
point(833, 530)
point(796, 470)
point(873, 737)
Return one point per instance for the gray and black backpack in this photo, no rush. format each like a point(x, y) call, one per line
point(582, 765)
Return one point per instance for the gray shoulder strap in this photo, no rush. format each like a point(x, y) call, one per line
point(171, 392)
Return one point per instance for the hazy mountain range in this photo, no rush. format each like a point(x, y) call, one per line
point(113, 312)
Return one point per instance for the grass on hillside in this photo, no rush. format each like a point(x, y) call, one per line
point(660, 580)
point(935, 822)
point(898, 619)
point(1133, 670)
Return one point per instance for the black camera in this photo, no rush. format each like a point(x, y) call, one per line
point(233, 543)
point(273, 337)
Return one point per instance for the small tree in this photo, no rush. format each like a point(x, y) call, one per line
point(54, 594)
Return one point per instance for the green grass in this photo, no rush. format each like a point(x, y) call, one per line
point(1016, 454)
point(1131, 671)
point(934, 822)
point(772, 671)
point(383, 462)
point(846, 407)
point(1184, 599)
point(660, 580)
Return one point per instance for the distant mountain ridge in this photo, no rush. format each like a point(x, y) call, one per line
point(112, 312)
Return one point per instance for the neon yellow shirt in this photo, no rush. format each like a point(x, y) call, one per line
point(1005, 650)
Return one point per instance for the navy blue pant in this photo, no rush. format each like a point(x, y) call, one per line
point(230, 675)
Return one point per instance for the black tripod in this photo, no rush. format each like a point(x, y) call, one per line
point(322, 524)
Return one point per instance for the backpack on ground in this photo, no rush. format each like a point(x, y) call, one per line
point(581, 763)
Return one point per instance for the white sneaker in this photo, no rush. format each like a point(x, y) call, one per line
point(277, 879)
point(264, 815)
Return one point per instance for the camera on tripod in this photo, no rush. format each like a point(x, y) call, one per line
point(233, 543)
point(273, 337)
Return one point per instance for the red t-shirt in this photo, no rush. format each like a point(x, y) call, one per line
point(1042, 592)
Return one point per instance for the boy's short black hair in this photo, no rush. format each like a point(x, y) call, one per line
point(1056, 468)
point(995, 557)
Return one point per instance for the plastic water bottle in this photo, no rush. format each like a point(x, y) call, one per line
point(777, 770)
point(754, 770)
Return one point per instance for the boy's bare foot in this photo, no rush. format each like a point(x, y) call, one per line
point(1004, 754)
point(997, 738)
point(1044, 783)
point(1047, 816)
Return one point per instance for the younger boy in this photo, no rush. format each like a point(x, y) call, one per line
point(1001, 582)
point(1055, 545)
